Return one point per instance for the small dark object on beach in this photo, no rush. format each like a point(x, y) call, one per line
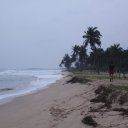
point(89, 121)
point(78, 80)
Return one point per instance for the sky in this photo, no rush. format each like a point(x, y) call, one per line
point(37, 33)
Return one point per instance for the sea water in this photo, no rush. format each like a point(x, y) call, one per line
point(15, 83)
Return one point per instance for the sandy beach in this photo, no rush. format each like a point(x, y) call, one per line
point(59, 106)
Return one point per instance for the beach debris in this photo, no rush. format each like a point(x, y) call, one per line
point(103, 93)
point(78, 80)
point(88, 120)
point(104, 102)
point(108, 96)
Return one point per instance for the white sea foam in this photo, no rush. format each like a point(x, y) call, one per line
point(14, 83)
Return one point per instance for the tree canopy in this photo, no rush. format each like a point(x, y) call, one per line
point(98, 59)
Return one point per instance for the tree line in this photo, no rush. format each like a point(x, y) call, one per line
point(98, 59)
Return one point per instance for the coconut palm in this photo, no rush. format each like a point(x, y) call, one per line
point(75, 51)
point(114, 55)
point(125, 62)
point(66, 61)
point(82, 54)
point(92, 37)
point(82, 57)
point(79, 56)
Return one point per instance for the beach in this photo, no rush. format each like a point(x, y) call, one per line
point(61, 105)
point(57, 106)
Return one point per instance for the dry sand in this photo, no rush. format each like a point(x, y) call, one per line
point(62, 105)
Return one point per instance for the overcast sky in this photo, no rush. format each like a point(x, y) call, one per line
point(37, 33)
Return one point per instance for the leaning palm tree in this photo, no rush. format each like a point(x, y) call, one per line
point(78, 56)
point(92, 37)
point(75, 51)
point(66, 61)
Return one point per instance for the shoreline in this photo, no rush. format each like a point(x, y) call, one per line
point(61, 105)
point(8, 98)
point(44, 108)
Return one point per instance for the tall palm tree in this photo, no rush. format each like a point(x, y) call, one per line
point(92, 37)
point(82, 57)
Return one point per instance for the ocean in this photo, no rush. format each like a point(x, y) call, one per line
point(14, 83)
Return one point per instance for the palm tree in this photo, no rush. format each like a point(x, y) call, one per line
point(75, 52)
point(92, 37)
point(114, 54)
point(99, 52)
point(79, 56)
point(66, 61)
point(124, 64)
point(82, 54)
point(82, 57)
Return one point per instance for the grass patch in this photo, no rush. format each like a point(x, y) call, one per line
point(120, 87)
point(90, 76)
point(94, 76)
point(121, 78)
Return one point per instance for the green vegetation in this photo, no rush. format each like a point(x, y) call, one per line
point(91, 75)
point(95, 76)
point(98, 59)
point(120, 87)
